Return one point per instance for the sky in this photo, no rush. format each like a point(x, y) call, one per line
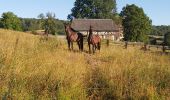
point(157, 10)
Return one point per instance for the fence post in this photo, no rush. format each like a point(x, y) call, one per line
point(107, 42)
point(163, 48)
point(145, 47)
point(126, 44)
point(149, 47)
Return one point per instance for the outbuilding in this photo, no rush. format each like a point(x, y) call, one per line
point(106, 28)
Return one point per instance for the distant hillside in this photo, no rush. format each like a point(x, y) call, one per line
point(160, 30)
point(32, 24)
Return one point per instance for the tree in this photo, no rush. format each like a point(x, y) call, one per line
point(48, 23)
point(30, 24)
point(93, 9)
point(11, 21)
point(42, 18)
point(160, 30)
point(167, 38)
point(136, 24)
point(1, 24)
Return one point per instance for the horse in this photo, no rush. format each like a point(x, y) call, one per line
point(93, 40)
point(73, 36)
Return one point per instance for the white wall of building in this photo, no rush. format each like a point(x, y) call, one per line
point(115, 36)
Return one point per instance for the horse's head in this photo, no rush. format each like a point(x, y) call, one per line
point(91, 27)
point(66, 28)
point(91, 30)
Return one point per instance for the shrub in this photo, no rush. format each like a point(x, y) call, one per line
point(167, 38)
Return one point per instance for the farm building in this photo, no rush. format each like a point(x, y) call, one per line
point(106, 28)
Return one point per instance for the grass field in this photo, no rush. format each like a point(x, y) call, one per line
point(33, 68)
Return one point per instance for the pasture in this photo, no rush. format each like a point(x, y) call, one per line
point(33, 68)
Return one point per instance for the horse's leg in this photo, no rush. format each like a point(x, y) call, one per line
point(99, 45)
point(68, 44)
point(81, 43)
point(96, 47)
point(78, 43)
point(93, 47)
point(89, 48)
point(72, 45)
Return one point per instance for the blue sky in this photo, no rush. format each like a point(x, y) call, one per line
point(157, 10)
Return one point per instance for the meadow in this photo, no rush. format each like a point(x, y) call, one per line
point(33, 68)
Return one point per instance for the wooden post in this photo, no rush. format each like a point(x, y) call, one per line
point(126, 44)
point(133, 45)
point(145, 47)
point(107, 42)
point(163, 48)
point(149, 47)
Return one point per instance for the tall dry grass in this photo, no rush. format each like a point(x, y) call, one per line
point(33, 68)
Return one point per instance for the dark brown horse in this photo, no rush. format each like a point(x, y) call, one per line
point(93, 40)
point(73, 36)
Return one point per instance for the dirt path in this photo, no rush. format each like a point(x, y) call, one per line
point(92, 62)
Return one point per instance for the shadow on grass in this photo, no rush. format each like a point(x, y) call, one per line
point(98, 87)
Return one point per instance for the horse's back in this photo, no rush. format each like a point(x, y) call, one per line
point(73, 37)
point(80, 34)
point(96, 39)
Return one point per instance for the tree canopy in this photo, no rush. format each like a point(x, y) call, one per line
point(160, 30)
point(48, 22)
point(30, 24)
point(167, 38)
point(11, 21)
point(136, 24)
point(99, 9)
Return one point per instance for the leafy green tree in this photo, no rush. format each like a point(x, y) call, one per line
point(167, 38)
point(160, 30)
point(1, 24)
point(42, 18)
point(48, 23)
point(136, 24)
point(93, 9)
point(11, 21)
point(30, 24)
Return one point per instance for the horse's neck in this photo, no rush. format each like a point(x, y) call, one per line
point(90, 35)
point(70, 32)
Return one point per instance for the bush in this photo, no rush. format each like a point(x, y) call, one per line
point(11, 21)
point(153, 41)
point(167, 38)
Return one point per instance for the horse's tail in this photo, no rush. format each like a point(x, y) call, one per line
point(99, 45)
point(81, 42)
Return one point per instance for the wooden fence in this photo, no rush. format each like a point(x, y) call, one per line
point(140, 44)
point(128, 44)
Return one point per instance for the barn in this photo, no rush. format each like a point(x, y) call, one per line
point(106, 28)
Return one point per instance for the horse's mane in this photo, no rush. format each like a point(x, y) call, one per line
point(73, 30)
